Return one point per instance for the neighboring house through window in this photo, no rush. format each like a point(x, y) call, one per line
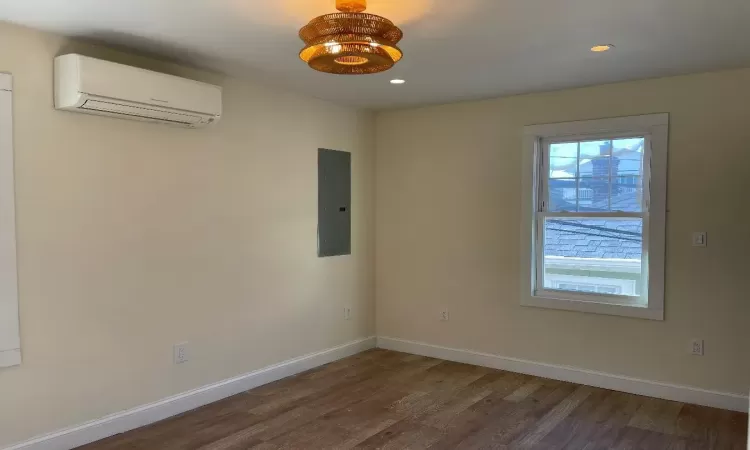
point(595, 215)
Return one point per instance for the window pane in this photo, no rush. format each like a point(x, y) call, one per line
point(627, 194)
point(563, 159)
point(562, 195)
point(593, 255)
point(594, 194)
point(627, 157)
point(595, 158)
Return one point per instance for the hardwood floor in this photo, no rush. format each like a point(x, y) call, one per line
point(387, 400)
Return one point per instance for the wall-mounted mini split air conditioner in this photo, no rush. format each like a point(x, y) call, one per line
point(93, 86)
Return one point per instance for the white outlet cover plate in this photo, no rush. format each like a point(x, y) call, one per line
point(696, 347)
point(181, 355)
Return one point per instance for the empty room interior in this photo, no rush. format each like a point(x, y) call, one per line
point(374, 224)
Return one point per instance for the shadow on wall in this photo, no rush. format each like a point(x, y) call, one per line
point(104, 45)
point(146, 53)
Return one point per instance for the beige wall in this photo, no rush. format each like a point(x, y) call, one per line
point(134, 236)
point(448, 217)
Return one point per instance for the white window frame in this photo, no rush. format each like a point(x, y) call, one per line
point(10, 341)
point(655, 129)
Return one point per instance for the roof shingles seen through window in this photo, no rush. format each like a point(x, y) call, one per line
point(593, 238)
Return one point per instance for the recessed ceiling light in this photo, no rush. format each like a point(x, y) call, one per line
point(602, 48)
point(398, 81)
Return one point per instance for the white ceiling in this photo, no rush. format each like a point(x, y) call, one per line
point(454, 49)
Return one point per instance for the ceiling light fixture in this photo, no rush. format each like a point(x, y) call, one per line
point(398, 81)
point(351, 42)
point(602, 48)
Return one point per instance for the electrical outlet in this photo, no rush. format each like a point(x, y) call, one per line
point(696, 347)
point(445, 315)
point(181, 353)
point(347, 313)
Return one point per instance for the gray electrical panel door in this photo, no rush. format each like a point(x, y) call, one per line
point(334, 203)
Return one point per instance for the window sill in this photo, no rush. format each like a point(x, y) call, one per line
point(638, 312)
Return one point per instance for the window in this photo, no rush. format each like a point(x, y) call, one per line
point(10, 346)
point(595, 203)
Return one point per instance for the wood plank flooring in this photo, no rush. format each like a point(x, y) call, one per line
point(387, 400)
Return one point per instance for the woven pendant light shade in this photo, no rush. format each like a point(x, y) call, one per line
point(351, 42)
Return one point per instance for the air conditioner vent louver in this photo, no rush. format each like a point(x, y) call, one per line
point(142, 112)
point(94, 86)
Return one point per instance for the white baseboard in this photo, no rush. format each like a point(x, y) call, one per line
point(153, 412)
point(685, 394)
